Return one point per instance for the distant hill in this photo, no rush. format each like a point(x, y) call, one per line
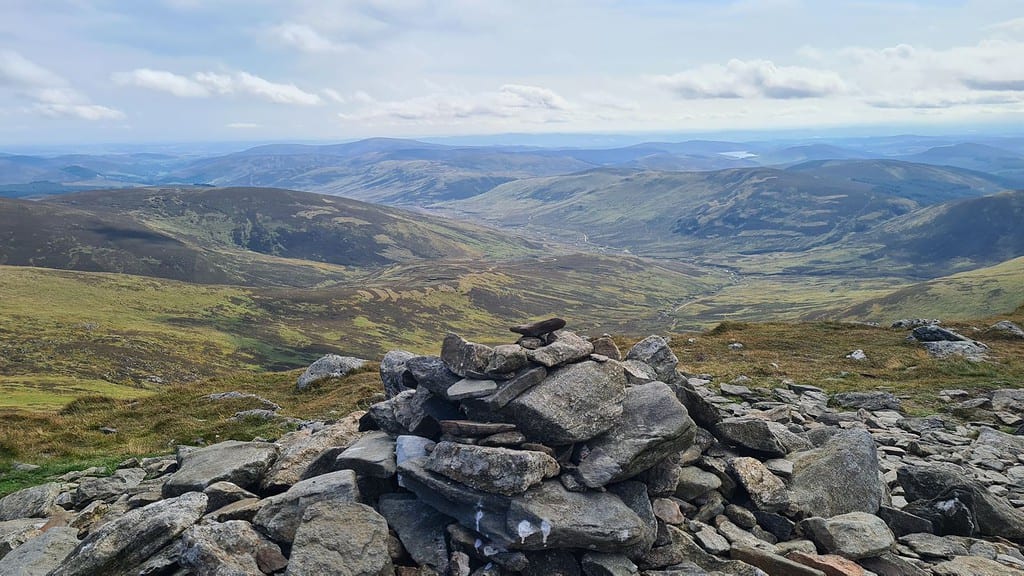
point(247, 236)
point(922, 183)
point(809, 152)
point(956, 235)
point(973, 156)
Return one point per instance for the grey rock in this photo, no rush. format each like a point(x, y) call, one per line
point(575, 402)
point(892, 565)
point(511, 389)
point(634, 496)
point(932, 546)
point(552, 563)
point(300, 450)
point(653, 425)
point(14, 533)
point(498, 470)
point(221, 494)
point(417, 412)
point(973, 351)
point(420, 528)
point(464, 357)
point(35, 502)
point(116, 548)
point(924, 482)
point(1006, 329)
point(549, 516)
point(854, 535)
point(638, 373)
point(566, 348)
point(507, 358)
point(973, 566)
point(780, 527)
point(683, 549)
point(107, 489)
point(241, 463)
point(656, 353)
point(372, 455)
point(902, 523)
point(868, 400)
point(39, 555)
point(470, 388)
point(604, 564)
point(968, 510)
point(766, 490)
point(839, 476)
point(340, 534)
point(741, 516)
point(606, 346)
point(329, 366)
point(233, 547)
point(694, 482)
point(279, 516)
point(432, 373)
point(935, 333)
point(394, 373)
point(772, 563)
point(761, 436)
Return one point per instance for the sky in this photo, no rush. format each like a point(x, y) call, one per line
point(89, 71)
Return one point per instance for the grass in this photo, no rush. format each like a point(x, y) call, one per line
point(815, 353)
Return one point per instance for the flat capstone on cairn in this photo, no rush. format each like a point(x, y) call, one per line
point(557, 455)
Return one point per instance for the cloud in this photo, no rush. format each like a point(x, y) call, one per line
point(81, 111)
point(306, 39)
point(752, 79)
point(935, 101)
point(163, 81)
point(334, 96)
point(18, 71)
point(525, 103)
point(1013, 27)
point(51, 95)
point(206, 84)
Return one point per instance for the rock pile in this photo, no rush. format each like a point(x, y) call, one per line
point(555, 455)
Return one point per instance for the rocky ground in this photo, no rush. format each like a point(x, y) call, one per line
point(558, 455)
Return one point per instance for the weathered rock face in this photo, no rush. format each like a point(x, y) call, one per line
point(124, 544)
point(838, 477)
point(576, 402)
point(241, 463)
point(330, 366)
point(542, 458)
point(653, 426)
point(335, 535)
point(499, 470)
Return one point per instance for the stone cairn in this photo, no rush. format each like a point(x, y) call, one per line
point(555, 455)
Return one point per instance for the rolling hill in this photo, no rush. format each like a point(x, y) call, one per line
point(246, 236)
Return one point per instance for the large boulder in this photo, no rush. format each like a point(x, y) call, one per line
point(656, 353)
point(40, 555)
point(34, 502)
point(868, 400)
point(500, 470)
point(329, 366)
point(420, 528)
point(279, 516)
point(241, 463)
point(565, 348)
point(14, 533)
point(300, 449)
point(465, 358)
point(432, 373)
point(232, 547)
point(575, 402)
point(118, 547)
point(762, 436)
point(109, 488)
point(840, 475)
point(653, 425)
point(549, 516)
point(417, 412)
point(340, 536)
point(854, 535)
point(394, 372)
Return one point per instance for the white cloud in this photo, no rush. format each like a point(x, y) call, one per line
point(81, 111)
point(334, 96)
point(50, 93)
point(280, 93)
point(937, 100)
point(1014, 27)
point(205, 84)
point(524, 103)
point(18, 71)
point(163, 81)
point(306, 39)
point(752, 79)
